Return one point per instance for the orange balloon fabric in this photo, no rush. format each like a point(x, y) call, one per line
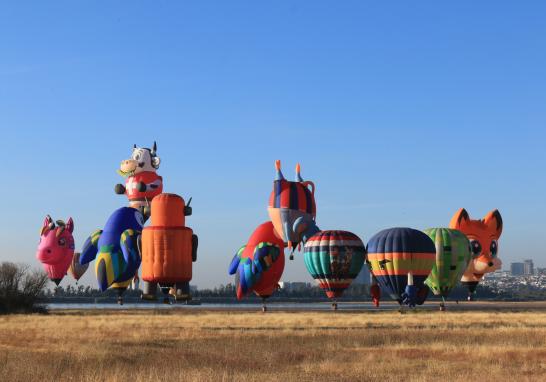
point(167, 243)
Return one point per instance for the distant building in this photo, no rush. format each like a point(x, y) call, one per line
point(296, 286)
point(528, 268)
point(363, 277)
point(498, 274)
point(517, 269)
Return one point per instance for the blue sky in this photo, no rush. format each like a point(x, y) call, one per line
point(401, 113)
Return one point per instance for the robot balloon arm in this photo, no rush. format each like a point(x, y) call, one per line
point(187, 209)
point(119, 189)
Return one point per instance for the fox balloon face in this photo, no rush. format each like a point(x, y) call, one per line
point(56, 247)
point(483, 236)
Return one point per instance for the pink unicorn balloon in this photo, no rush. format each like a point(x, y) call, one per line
point(56, 248)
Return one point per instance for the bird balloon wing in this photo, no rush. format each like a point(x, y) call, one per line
point(130, 246)
point(236, 260)
point(90, 248)
point(265, 254)
point(248, 271)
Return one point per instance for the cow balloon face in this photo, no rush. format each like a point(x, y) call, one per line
point(142, 159)
point(292, 208)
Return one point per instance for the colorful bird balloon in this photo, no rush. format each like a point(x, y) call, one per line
point(258, 265)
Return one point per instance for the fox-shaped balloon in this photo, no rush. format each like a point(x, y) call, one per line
point(483, 236)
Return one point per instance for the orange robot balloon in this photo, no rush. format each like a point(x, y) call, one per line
point(169, 247)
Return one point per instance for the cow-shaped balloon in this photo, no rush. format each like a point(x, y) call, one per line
point(142, 182)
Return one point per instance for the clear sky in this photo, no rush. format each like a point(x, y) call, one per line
point(400, 112)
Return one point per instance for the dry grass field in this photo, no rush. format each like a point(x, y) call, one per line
point(219, 346)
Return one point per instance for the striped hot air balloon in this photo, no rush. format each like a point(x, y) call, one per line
point(401, 259)
point(452, 257)
point(334, 259)
point(76, 269)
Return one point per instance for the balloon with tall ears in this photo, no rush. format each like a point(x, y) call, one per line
point(56, 248)
point(292, 208)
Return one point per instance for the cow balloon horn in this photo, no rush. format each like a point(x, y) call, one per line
point(154, 149)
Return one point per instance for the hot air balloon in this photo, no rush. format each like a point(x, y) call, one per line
point(116, 250)
point(334, 259)
point(452, 257)
point(169, 247)
point(258, 265)
point(76, 269)
point(56, 248)
point(292, 209)
point(401, 259)
point(484, 235)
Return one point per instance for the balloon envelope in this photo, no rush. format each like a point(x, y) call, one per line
point(452, 257)
point(258, 266)
point(396, 252)
point(292, 208)
point(56, 247)
point(334, 259)
point(116, 249)
point(483, 235)
point(76, 269)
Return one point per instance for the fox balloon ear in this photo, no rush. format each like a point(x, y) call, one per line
point(460, 219)
point(70, 225)
point(493, 220)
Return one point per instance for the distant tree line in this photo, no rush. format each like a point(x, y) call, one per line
point(20, 288)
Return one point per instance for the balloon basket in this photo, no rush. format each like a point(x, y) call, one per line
point(442, 307)
point(166, 290)
point(334, 305)
point(120, 300)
